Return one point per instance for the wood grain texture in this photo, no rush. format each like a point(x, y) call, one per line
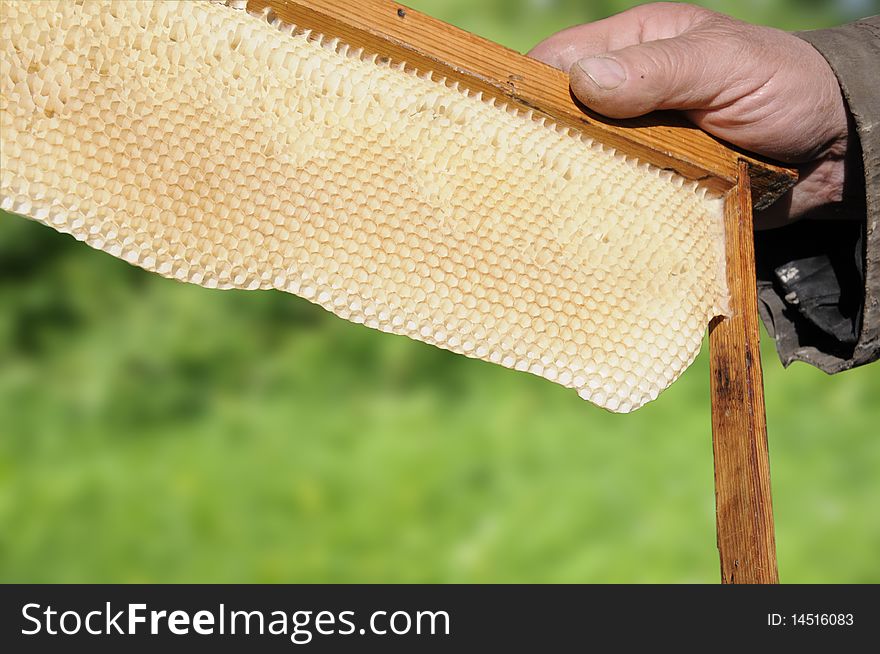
point(427, 44)
point(744, 514)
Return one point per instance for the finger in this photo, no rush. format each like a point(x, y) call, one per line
point(684, 72)
point(564, 48)
point(631, 27)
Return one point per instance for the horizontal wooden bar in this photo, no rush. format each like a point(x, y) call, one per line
point(427, 44)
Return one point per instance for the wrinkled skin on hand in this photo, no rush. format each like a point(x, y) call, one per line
point(760, 88)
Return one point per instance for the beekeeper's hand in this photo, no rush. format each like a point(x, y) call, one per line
point(760, 88)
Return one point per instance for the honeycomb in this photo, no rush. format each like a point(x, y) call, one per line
point(224, 149)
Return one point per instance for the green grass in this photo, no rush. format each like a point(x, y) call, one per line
point(153, 431)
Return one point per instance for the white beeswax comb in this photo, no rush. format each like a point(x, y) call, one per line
point(220, 148)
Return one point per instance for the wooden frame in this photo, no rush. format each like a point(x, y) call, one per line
point(742, 479)
point(744, 514)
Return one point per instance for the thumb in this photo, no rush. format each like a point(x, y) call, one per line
point(675, 73)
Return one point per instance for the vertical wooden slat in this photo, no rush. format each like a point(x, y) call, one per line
point(746, 540)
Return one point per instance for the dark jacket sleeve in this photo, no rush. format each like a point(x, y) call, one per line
point(819, 278)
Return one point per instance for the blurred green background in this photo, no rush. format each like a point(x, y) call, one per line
point(153, 431)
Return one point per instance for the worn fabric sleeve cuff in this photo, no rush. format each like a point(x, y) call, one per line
point(819, 280)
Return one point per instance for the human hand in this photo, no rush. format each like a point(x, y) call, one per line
point(759, 88)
